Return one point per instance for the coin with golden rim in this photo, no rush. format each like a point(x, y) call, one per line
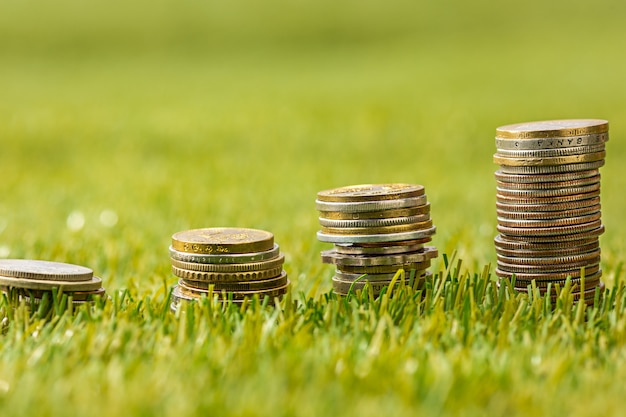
point(371, 192)
point(552, 129)
point(216, 240)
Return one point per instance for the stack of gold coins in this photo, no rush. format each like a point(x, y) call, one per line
point(34, 280)
point(237, 262)
point(377, 229)
point(548, 204)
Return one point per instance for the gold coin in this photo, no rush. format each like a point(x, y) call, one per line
point(379, 214)
point(231, 268)
point(227, 276)
point(218, 240)
point(552, 129)
point(377, 230)
point(219, 286)
point(557, 160)
point(371, 192)
point(190, 294)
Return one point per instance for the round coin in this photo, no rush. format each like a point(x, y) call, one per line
point(368, 206)
point(47, 284)
point(547, 276)
point(551, 169)
point(228, 258)
point(380, 214)
point(227, 276)
point(374, 223)
point(545, 200)
point(390, 237)
point(552, 143)
point(378, 230)
point(548, 260)
point(511, 232)
point(548, 269)
point(191, 294)
point(540, 178)
point(371, 192)
point(547, 215)
point(557, 160)
point(219, 286)
point(553, 129)
point(579, 182)
point(384, 269)
point(75, 295)
point(545, 193)
point(590, 282)
point(548, 206)
point(551, 223)
point(506, 243)
point(222, 240)
point(231, 268)
point(548, 253)
point(550, 153)
point(377, 250)
point(333, 257)
point(44, 270)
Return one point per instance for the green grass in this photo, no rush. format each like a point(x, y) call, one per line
point(183, 115)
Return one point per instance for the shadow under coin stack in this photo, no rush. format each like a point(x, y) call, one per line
point(548, 204)
point(377, 230)
point(31, 280)
point(241, 262)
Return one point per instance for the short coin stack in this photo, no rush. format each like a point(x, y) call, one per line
point(548, 203)
point(377, 229)
point(238, 261)
point(32, 280)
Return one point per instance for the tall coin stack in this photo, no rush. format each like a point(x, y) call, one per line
point(32, 280)
point(237, 261)
point(377, 230)
point(548, 204)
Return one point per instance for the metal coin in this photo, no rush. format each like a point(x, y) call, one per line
point(347, 276)
point(557, 160)
point(548, 206)
point(547, 215)
point(572, 267)
point(547, 193)
point(39, 294)
point(384, 269)
point(580, 182)
point(219, 286)
point(511, 232)
point(190, 294)
point(227, 276)
point(590, 282)
point(371, 192)
point(374, 223)
point(544, 178)
point(504, 242)
point(546, 276)
point(389, 237)
point(545, 200)
point(570, 250)
point(572, 237)
point(231, 268)
point(378, 250)
point(548, 260)
point(369, 206)
point(551, 169)
point(550, 153)
point(44, 270)
point(36, 284)
point(380, 214)
point(549, 223)
point(222, 240)
point(377, 230)
point(552, 143)
point(553, 129)
point(333, 257)
point(229, 258)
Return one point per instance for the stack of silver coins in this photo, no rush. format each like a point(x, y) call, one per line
point(548, 204)
point(377, 229)
point(233, 263)
point(32, 281)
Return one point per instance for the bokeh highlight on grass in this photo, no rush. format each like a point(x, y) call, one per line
point(122, 123)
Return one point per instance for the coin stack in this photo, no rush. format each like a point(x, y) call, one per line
point(377, 229)
point(32, 280)
point(237, 261)
point(548, 204)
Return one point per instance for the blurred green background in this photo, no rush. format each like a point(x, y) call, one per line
point(124, 122)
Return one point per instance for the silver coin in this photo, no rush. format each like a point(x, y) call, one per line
point(539, 253)
point(548, 275)
point(546, 206)
point(549, 231)
point(551, 169)
point(350, 277)
point(233, 258)
point(363, 206)
point(578, 182)
point(523, 200)
point(504, 242)
point(549, 269)
point(550, 153)
point(590, 281)
point(92, 284)
point(377, 250)
point(276, 262)
point(539, 259)
point(390, 237)
point(544, 193)
point(44, 270)
point(544, 178)
point(547, 215)
point(551, 143)
point(567, 221)
point(374, 222)
point(333, 257)
point(384, 269)
point(573, 238)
